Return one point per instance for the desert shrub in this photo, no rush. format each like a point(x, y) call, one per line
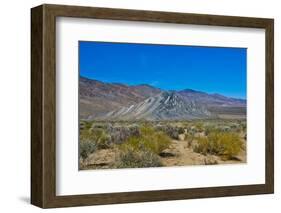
point(210, 160)
point(209, 129)
point(189, 137)
point(96, 136)
point(223, 128)
point(120, 134)
point(86, 147)
point(172, 131)
point(180, 130)
point(155, 143)
point(147, 129)
point(153, 140)
point(129, 157)
point(234, 127)
point(226, 145)
point(101, 138)
point(104, 141)
point(243, 127)
point(191, 130)
point(203, 146)
point(148, 140)
point(85, 125)
point(82, 126)
point(159, 142)
point(199, 127)
point(105, 134)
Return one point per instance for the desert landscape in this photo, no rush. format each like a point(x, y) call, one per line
point(141, 126)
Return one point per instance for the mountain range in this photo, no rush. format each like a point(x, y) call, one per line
point(115, 101)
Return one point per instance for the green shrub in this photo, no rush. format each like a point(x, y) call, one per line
point(204, 146)
point(119, 134)
point(133, 144)
point(146, 130)
point(85, 125)
point(101, 138)
point(155, 141)
point(226, 145)
point(159, 141)
point(172, 131)
point(97, 136)
point(129, 157)
point(143, 150)
point(209, 129)
point(243, 127)
point(189, 137)
point(86, 148)
point(199, 127)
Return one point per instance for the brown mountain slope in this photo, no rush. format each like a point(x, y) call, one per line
point(97, 98)
point(120, 102)
point(164, 106)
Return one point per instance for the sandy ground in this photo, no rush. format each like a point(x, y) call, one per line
point(178, 154)
point(182, 155)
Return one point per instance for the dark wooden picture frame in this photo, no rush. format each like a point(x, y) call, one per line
point(43, 105)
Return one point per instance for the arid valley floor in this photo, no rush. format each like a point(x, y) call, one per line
point(139, 126)
point(157, 144)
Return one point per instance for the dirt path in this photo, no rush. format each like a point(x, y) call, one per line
point(179, 154)
point(101, 159)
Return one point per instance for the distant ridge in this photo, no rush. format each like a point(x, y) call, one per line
point(164, 106)
point(115, 101)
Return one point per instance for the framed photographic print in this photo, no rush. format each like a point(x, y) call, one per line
point(136, 106)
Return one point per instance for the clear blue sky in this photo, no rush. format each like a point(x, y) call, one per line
point(169, 67)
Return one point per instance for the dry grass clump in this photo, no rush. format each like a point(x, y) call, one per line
point(119, 134)
point(143, 150)
point(86, 147)
point(153, 140)
point(225, 144)
point(149, 139)
point(171, 131)
point(130, 157)
point(97, 136)
point(101, 138)
point(92, 140)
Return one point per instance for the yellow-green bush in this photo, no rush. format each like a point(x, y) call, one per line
point(199, 126)
point(143, 150)
point(226, 145)
point(132, 157)
point(189, 137)
point(85, 148)
point(160, 141)
point(155, 141)
point(101, 138)
point(97, 136)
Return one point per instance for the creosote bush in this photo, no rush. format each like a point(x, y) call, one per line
point(86, 147)
point(141, 158)
point(226, 145)
point(172, 131)
point(155, 141)
point(143, 150)
point(101, 138)
point(189, 137)
point(119, 134)
point(92, 140)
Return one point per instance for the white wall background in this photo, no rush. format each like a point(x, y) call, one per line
point(15, 104)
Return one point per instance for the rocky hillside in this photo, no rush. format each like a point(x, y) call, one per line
point(211, 99)
point(115, 101)
point(98, 98)
point(164, 106)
